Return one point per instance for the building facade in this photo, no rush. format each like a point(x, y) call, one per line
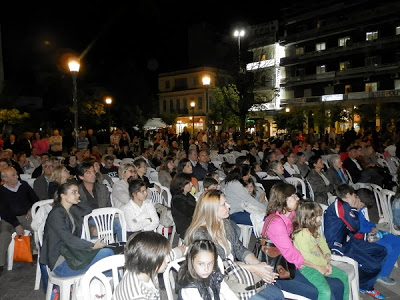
point(345, 53)
point(183, 95)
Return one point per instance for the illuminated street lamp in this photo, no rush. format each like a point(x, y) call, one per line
point(192, 105)
point(109, 102)
point(239, 33)
point(74, 69)
point(206, 83)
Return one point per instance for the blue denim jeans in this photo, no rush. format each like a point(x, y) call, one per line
point(63, 270)
point(271, 292)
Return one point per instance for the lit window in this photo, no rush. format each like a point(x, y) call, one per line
point(373, 35)
point(299, 50)
point(320, 46)
point(397, 30)
point(321, 69)
point(371, 87)
point(264, 57)
point(397, 84)
point(344, 65)
point(343, 41)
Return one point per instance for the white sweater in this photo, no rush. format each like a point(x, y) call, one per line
point(137, 217)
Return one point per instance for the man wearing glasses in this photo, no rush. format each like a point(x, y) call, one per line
point(41, 184)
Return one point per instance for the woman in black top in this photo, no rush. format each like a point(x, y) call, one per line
point(183, 203)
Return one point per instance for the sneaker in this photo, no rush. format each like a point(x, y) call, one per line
point(386, 280)
point(374, 294)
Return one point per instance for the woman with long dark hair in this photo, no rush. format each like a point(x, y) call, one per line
point(183, 203)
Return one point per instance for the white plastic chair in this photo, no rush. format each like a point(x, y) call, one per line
point(104, 219)
point(30, 181)
point(25, 177)
point(169, 281)
point(310, 189)
point(201, 186)
point(65, 283)
point(297, 181)
point(117, 162)
point(230, 158)
point(358, 185)
point(10, 251)
point(387, 197)
point(390, 166)
point(161, 229)
point(35, 208)
point(245, 234)
point(86, 290)
point(380, 204)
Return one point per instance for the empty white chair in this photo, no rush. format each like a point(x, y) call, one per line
point(104, 220)
point(87, 290)
point(25, 177)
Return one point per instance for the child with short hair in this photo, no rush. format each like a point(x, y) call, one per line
point(145, 257)
point(200, 277)
point(307, 238)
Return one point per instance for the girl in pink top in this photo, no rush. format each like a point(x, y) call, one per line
point(283, 202)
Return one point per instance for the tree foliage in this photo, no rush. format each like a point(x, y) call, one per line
point(293, 120)
point(12, 116)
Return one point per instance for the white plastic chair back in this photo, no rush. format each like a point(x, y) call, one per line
point(30, 181)
point(117, 162)
point(379, 155)
point(297, 181)
point(127, 160)
point(201, 186)
point(168, 276)
point(35, 208)
point(310, 189)
point(167, 195)
point(388, 197)
point(230, 158)
point(379, 202)
point(104, 220)
point(25, 177)
point(86, 289)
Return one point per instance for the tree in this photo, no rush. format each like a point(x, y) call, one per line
point(292, 120)
point(12, 117)
point(169, 118)
point(236, 99)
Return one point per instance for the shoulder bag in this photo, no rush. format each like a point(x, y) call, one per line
point(78, 259)
point(241, 281)
point(267, 252)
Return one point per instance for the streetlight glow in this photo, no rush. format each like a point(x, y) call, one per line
point(74, 66)
point(192, 104)
point(239, 33)
point(206, 80)
point(108, 100)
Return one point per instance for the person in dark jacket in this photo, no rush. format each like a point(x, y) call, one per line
point(64, 229)
point(183, 203)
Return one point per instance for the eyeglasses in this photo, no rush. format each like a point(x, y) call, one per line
point(49, 167)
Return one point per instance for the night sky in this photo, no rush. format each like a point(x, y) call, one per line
point(125, 46)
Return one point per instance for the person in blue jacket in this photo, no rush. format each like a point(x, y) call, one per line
point(341, 229)
point(390, 241)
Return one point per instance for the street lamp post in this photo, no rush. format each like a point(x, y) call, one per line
point(206, 83)
point(109, 102)
point(74, 69)
point(192, 105)
point(239, 33)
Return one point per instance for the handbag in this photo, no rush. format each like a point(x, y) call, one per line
point(266, 251)
point(241, 281)
point(78, 259)
point(22, 248)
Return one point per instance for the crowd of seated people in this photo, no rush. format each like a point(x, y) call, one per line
point(245, 188)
